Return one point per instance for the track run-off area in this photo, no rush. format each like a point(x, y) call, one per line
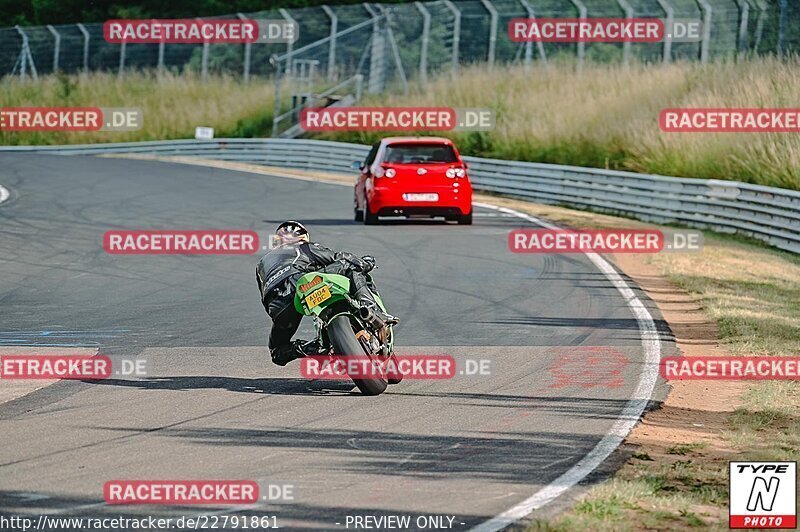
point(572, 346)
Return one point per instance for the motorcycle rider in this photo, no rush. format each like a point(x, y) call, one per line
point(277, 273)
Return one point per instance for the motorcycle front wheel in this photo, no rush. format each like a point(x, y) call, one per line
point(345, 344)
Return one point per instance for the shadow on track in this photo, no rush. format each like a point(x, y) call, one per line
point(268, 386)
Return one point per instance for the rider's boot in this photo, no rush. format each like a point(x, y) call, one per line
point(307, 349)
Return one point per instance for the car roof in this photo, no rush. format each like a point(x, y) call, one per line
point(420, 140)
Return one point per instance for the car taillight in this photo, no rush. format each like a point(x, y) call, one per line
point(455, 172)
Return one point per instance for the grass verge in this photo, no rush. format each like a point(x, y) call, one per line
point(172, 105)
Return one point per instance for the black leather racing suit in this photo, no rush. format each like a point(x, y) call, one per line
point(277, 273)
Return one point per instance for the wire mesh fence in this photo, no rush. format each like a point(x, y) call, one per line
point(409, 42)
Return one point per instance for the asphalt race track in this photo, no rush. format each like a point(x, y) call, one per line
point(564, 348)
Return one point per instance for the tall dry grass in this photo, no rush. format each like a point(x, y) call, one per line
point(607, 116)
point(172, 105)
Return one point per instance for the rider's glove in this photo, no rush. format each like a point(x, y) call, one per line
point(369, 263)
point(357, 264)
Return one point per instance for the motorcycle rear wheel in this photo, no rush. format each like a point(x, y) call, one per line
point(345, 344)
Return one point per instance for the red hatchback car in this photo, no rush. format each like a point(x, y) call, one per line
point(413, 176)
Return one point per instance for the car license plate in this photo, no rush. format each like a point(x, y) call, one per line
point(318, 296)
point(421, 197)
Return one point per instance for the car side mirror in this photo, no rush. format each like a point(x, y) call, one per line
point(466, 166)
point(356, 165)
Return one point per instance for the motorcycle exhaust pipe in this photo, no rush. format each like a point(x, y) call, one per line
point(369, 316)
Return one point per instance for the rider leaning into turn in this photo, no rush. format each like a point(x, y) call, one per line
point(277, 274)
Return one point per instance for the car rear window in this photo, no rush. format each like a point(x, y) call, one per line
point(418, 153)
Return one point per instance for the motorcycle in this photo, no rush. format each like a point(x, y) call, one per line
point(348, 330)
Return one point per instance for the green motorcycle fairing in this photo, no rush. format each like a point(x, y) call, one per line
point(338, 289)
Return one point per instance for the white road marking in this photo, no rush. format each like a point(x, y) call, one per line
point(4, 193)
point(627, 419)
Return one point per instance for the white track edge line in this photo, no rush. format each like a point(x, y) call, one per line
point(628, 418)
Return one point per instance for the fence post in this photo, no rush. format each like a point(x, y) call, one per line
point(393, 43)
point(85, 47)
point(426, 35)
point(377, 61)
point(670, 13)
point(332, 45)
point(277, 106)
point(763, 7)
point(161, 46)
point(456, 32)
point(528, 45)
point(626, 46)
point(782, 28)
point(57, 47)
point(706, 7)
point(581, 45)
point(492, 31)
point(744, 14)
point(204, 61)
point(22, 59)
point(289, 45)
point(25, 58)
point(121, 68)
point(247, 45)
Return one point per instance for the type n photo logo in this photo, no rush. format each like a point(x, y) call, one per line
point(763, 495)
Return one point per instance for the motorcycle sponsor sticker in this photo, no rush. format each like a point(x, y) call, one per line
point(70, 118)
point(731, 120)
point(763, 495)
point(311, 284)
point(571, 30)
point(180, 242)
point(604, 240)
point(421, 367)
point(225, 492)
point(55, 366)
point(730, 368)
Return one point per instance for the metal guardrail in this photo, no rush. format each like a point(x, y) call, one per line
point(765, 213)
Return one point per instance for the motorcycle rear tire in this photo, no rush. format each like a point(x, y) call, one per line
point(345, 344)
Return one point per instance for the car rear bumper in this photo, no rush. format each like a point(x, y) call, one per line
point(390, 202)
point(447, 212)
